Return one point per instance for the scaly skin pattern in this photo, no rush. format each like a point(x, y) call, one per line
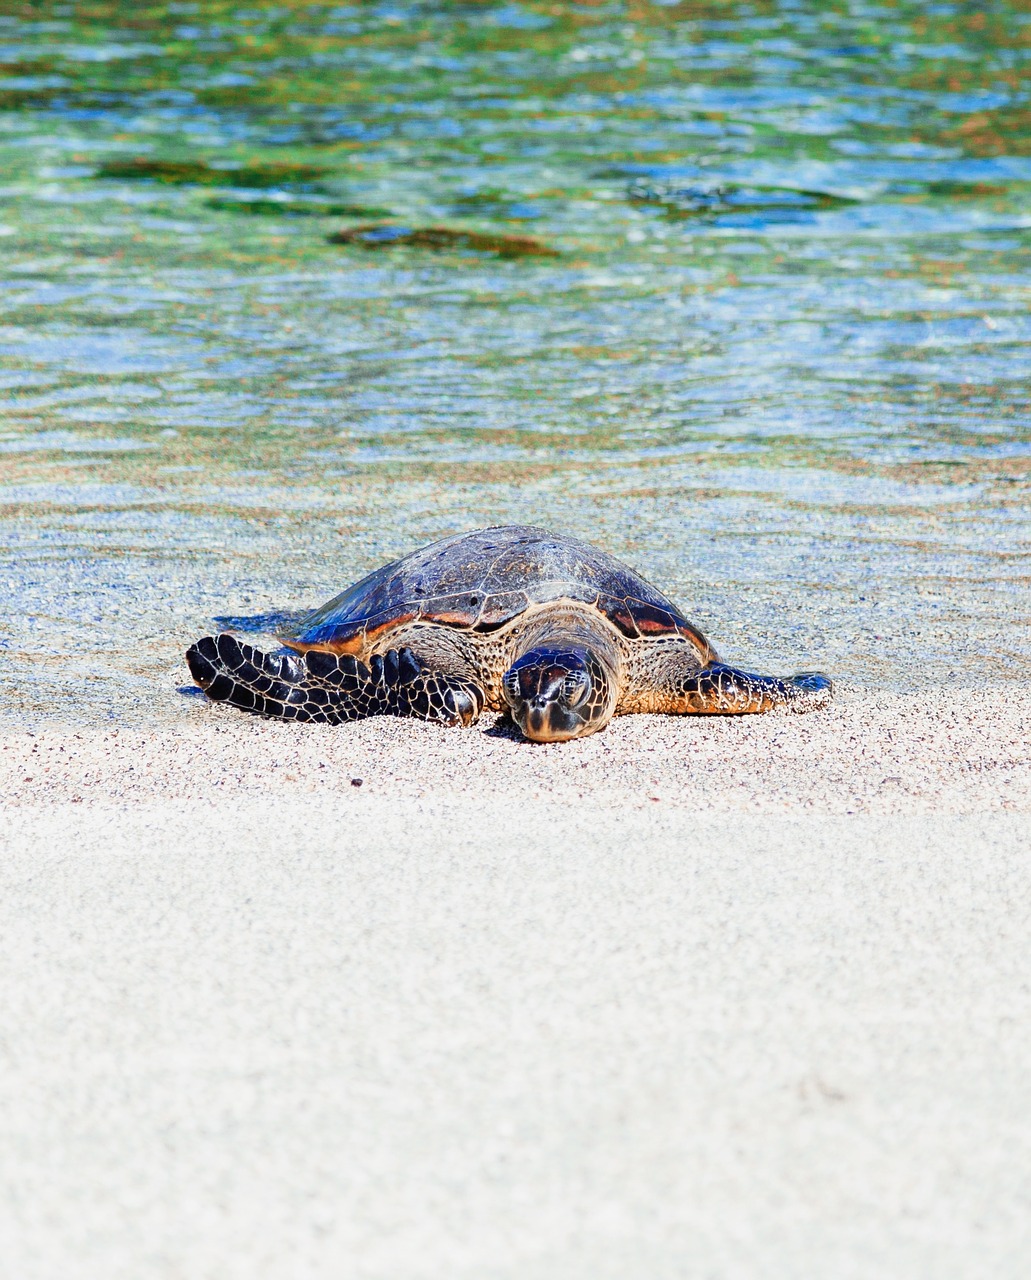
point(448, 675)
point(722, 690)
point(329, 688)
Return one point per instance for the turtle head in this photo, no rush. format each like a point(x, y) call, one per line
point(555, 694)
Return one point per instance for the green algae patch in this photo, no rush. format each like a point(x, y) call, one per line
point(965, 190)
point(295, 209)
point(387, 236)
point(183, 173)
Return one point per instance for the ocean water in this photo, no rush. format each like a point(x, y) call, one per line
point(737, 291)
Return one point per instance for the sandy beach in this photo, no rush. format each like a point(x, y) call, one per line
point(688, 998)
point(935, 752)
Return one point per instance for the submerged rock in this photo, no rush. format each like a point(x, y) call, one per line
point(386, 235)
point(969, 190)
point(295, 208)
point(200, 173)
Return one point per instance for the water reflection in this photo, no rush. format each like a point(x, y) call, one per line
point(790, 294)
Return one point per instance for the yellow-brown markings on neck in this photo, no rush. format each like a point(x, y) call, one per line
point(567, 622)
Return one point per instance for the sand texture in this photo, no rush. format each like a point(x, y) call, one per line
point(944, 751)
point(690, 998)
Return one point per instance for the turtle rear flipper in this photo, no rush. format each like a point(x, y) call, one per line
point(329, 688)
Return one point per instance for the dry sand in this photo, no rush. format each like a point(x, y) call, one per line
point(937, 752)
point(691, 998)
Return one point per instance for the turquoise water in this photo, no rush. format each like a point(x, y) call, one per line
point(769, 340)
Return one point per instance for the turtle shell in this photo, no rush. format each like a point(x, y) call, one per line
point(482, 580)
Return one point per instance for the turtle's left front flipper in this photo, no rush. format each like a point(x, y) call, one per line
point(722, 690)
point(328, 688)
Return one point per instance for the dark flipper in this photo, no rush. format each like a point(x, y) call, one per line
point(329, 688)
point(720, 690)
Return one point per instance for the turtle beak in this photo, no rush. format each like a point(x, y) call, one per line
point(545, 716)
point(542, 722)
point(537, 722)
point(545, 720)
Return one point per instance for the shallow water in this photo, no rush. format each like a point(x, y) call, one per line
point(779, 361)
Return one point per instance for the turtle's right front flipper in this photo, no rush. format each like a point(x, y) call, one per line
point(329, 688)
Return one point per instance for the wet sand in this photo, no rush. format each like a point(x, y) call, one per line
point(691, 997)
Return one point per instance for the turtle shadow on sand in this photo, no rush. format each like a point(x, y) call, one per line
point(505, 727)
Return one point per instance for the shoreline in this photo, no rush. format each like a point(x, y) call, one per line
point(939, 751)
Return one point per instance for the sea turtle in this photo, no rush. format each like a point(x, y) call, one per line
point(554, 631)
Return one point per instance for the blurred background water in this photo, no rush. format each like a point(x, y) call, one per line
point(738, 291)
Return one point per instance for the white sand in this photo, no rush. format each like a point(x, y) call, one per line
point(935, 752)
point(688, 999)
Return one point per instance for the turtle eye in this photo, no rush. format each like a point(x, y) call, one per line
point(510, 684)
point(574, 688)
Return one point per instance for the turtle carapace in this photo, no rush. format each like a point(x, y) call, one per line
point(552, 630)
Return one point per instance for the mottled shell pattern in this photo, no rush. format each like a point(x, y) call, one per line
point(480, 581)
